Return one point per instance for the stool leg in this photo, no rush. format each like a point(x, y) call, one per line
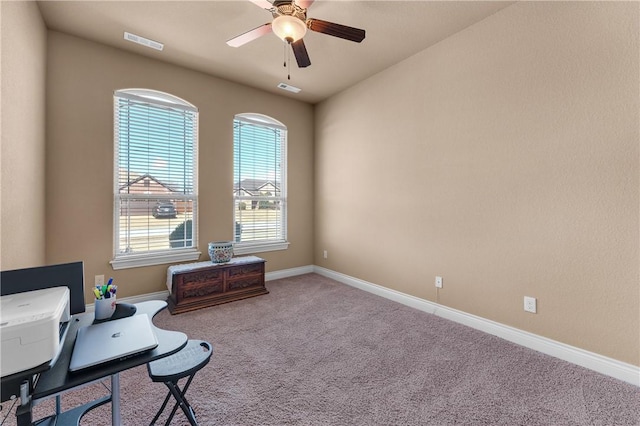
point(164, 404)
point(173, 412)
point(182, 393)
point(182, 403)
point(186, 404)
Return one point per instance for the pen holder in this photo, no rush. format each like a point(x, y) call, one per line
point(105, 308)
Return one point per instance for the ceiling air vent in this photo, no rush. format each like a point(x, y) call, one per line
point(289, 88)
point(143, 41)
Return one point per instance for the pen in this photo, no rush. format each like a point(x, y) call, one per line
point(110, 281)
point(97, 293)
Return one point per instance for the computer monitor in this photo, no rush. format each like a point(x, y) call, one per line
point(28, 279)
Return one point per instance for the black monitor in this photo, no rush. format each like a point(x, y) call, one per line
point(29, 279)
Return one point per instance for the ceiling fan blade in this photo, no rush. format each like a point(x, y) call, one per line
point(336, 30)
point(304, 3)
point(250, 35)
point(300, 52)
point(264, 4)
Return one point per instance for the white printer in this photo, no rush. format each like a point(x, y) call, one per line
point(30, 328)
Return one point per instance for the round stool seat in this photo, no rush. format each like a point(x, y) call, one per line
point(188, 360)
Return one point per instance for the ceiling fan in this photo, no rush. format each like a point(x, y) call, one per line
point(290, 23)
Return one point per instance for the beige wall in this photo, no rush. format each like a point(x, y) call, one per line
point(506, 160)
point(22, 175)
point(81, 79)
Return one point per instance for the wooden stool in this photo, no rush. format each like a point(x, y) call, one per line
point(169, 370)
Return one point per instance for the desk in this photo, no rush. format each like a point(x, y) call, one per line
point(58, 379)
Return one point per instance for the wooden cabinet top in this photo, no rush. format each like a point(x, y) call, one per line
point(190, 267)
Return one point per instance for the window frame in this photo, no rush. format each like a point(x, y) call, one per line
point(281, 243)
point(157, 257)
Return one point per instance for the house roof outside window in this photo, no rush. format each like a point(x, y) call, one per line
point(256, 186)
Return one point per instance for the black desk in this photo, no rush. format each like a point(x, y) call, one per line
point(58, 379)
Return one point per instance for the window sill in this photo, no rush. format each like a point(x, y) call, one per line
point(136, 261)
point(249, 248)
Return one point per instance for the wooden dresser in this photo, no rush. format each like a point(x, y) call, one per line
point(201, 284)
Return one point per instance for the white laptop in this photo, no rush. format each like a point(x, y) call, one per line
point(111, 340)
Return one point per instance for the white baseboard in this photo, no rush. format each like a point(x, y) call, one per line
point(286, 273)
point(602, 364)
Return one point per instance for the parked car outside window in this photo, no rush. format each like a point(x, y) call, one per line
point(164, 209)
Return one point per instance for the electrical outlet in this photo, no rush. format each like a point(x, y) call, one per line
point(99, 280)
point(325, 254)
point(530, 304)
point(438, 282)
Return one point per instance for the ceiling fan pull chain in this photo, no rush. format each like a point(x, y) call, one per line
point(288, 61)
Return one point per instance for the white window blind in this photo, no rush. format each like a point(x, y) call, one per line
point(260, 197)
point(155, 189)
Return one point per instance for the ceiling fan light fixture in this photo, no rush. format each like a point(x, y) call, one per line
point(289, 28)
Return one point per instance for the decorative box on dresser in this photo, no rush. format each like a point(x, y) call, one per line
point(201, 284)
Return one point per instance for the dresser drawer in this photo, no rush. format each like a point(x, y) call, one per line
point(207, 276)
point(244, 270)
point(197, 291)
point(256, 281)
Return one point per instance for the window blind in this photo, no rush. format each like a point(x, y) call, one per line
point(155, 173)
point(259, 180)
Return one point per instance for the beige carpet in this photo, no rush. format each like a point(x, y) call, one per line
point(317, 352)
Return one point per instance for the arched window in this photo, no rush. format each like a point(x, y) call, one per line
point(260, 184)
point(155, 178)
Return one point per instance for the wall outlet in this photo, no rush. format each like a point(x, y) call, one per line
point(530, 304)
point(438, 282)
point(325, 254)
point(99, 280)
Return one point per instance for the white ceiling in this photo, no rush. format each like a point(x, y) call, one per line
point(194, 34)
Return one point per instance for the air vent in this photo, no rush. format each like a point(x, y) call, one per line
point(143, 41)
point(289, 88)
